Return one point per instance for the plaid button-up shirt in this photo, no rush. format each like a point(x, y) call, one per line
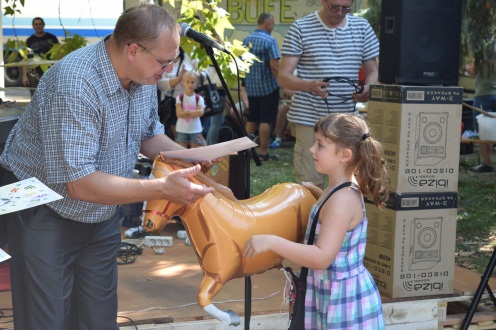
point(260, 81)
point(81, 120)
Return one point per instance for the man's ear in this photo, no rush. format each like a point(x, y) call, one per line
point(132, 49)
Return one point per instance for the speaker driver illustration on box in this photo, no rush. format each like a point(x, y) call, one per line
point(425, 251)
point(430, 143)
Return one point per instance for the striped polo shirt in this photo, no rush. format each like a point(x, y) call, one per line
point(324, 53)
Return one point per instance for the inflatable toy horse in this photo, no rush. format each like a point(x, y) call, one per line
point(219, 226)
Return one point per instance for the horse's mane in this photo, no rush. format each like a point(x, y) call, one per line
point(202, 177)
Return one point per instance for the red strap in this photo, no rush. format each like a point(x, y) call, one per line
point(197, 97)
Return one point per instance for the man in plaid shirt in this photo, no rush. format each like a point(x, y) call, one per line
point(91, 115)
point(261, 82)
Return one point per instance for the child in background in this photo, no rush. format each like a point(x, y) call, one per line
point(189, 109)
point(341, 293)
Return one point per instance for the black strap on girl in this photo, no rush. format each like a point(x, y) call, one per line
point(311, 236)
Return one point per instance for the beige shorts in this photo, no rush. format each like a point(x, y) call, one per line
point(302, 159)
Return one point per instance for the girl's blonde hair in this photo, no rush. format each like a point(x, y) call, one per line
point(351, 132)
point(192, 75)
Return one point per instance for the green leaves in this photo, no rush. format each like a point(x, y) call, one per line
point(67, 45)
point(15, 48)
point(10, 8)
point(480, 31)
point(208, 18)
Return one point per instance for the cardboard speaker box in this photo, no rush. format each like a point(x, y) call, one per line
point(419, 127)
point(411, 244)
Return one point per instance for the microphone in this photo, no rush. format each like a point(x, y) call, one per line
point(187, 31)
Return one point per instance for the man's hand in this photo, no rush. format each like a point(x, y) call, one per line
point(288, 94)
point(363, 96)
point(318, 87)
point(178, 189)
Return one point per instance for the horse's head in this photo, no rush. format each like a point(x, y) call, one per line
point(156, 213)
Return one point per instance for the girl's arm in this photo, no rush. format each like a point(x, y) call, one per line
point(200, 110)
point(316, 191)
point(180, 113)
point(336, 216)
point(188, 113)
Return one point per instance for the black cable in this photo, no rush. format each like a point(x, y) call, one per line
point(8, 104)
point(357, 84)
point(127, 318)
point(128, 253)
point(3, 316)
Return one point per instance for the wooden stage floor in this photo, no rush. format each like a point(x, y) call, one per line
point(162, 289)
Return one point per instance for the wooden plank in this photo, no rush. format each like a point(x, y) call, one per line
point(410, 312)
point(484, 316)
point(124, 321)
point(467, 281)
point(477, 141)
point(267, 322)
point(425, 325)
point(258, 322)
point(442, 310)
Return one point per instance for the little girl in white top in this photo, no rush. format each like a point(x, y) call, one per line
point(189, 109)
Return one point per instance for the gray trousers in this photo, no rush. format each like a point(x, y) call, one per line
point(63, 272)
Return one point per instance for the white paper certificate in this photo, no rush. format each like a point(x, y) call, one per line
point(3, 256)
point(213, 151)
point(25, 194)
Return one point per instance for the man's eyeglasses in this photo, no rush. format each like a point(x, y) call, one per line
point(164, 64)
point(336, 8)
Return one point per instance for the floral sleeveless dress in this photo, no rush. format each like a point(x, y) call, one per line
point(343, 296)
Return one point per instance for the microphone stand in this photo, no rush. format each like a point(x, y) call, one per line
point(244, 167)
point(210, 52)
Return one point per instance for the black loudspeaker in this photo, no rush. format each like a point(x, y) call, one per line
point(420, 42)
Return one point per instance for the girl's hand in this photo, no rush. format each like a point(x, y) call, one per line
point(257, 244)
point(315, 190)
point(206, 165)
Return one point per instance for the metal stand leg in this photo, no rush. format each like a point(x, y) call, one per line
point(478, 294)
point(247, 302)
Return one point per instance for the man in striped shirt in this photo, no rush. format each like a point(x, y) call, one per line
point(261, 82)
point(329, 43)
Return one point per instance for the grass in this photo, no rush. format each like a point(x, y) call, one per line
point(476, 225)
point(272, 171)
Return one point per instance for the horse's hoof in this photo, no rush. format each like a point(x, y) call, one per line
point(235, 320)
